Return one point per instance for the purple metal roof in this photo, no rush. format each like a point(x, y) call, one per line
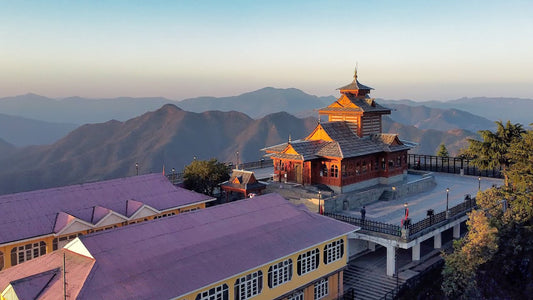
point(173, 256)
point(30, 214)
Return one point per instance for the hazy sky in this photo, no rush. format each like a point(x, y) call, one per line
point(420, 50)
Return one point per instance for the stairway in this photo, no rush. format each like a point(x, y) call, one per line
point(386, 195)
point(367, 283)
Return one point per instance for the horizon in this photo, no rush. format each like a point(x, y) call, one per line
point(179, 50)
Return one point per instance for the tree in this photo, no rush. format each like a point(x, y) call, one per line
point(495, 260)
point(492, 151)
point(475, 249)
point(203, 176)
point(442, 152)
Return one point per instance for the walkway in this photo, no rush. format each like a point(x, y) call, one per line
point(393, 211)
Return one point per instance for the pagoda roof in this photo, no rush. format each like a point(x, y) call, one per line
point(336, 139)
point(355, 85)
point(351, 103)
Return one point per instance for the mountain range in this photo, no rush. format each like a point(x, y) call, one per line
point(172, 137)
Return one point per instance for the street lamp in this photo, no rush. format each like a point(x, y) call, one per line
point(479, 183)
point(447, 197)
point(173, 175)
point(137, 168)
point(319, 198)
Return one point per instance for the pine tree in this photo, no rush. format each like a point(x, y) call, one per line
point(443, 152)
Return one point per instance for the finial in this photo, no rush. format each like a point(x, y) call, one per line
point(289, 138)
point(355, 73)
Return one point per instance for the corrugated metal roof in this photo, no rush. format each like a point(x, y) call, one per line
point(173, 256)
point(30, 276)
point(30, 214)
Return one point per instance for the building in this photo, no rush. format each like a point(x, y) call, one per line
point(242, 182)
point(262, 247)
point(347, 152)
point(39, 222)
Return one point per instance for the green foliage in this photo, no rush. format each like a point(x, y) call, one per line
point(442, 152)
point(203, 176)
point(475, 249)
point(495, 260)
point(492, 151)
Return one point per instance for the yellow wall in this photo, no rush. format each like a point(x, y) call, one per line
point(6, 249)
point(297, 281)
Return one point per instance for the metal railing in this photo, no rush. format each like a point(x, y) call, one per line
point(369, 225)
point(415, 229)
point(449, 165)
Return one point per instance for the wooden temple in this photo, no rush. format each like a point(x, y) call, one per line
point(349, 151)
point(242, 182)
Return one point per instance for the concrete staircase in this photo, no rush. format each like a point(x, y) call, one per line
point(367, 283)
point(386, 196)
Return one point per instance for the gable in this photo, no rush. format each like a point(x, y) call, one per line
point(236, 180)
point(319, 134)
point(346, 102)
point(290, 150)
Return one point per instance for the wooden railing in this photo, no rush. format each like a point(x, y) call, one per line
point(449, 165)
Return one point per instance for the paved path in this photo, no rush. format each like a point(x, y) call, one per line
point(393, 211)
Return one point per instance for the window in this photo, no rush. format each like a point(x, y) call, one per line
point(399, 161)
point(343, 170)
point(62, 241)
point(280, 273)
point(308, 261)
point(220, 292)
point(249, 285)
point(321, 288)
point(383, 165)
point(1, 260)
point(334, 171)
point(296, 296)
point(364, 167)
point(391, 164)
point(333, 251)
point(23, 253)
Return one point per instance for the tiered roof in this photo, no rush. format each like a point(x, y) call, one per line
point(339, 142)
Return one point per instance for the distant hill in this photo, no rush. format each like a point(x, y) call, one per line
point(6, 148)
point(21, 131)
point(429, 139)
point(424, 117)
point(517, 110)
point(77, 110)
point(168, 136)
point(259, 103)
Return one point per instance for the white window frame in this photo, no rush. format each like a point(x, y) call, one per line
point(220, 292)
point(299, 295)
point(27, 252)
point(321, 288)
point(308, 261)
point(334, 251)
point(249, 285)
point(280, 273)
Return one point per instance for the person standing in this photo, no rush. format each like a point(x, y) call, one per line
point(363, 213)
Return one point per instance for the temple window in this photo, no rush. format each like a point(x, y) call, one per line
point(334, 171)
point(391, 164)
point(1, 260)
point(399, 162)
point(364, 167)
point(383, 165)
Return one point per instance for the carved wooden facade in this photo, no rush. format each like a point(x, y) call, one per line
point(347, 150)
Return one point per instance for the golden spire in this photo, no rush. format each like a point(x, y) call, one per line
point(290, 138)
point(355, 74)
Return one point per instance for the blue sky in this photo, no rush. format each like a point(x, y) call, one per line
point(420, 50)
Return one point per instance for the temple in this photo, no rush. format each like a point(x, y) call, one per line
point(349, 151)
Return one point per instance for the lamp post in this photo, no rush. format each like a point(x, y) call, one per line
point(237, 154)
point(479, 183)
point(319, 198)
point(173, 175)
point(137, 168)
point(447, 197)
